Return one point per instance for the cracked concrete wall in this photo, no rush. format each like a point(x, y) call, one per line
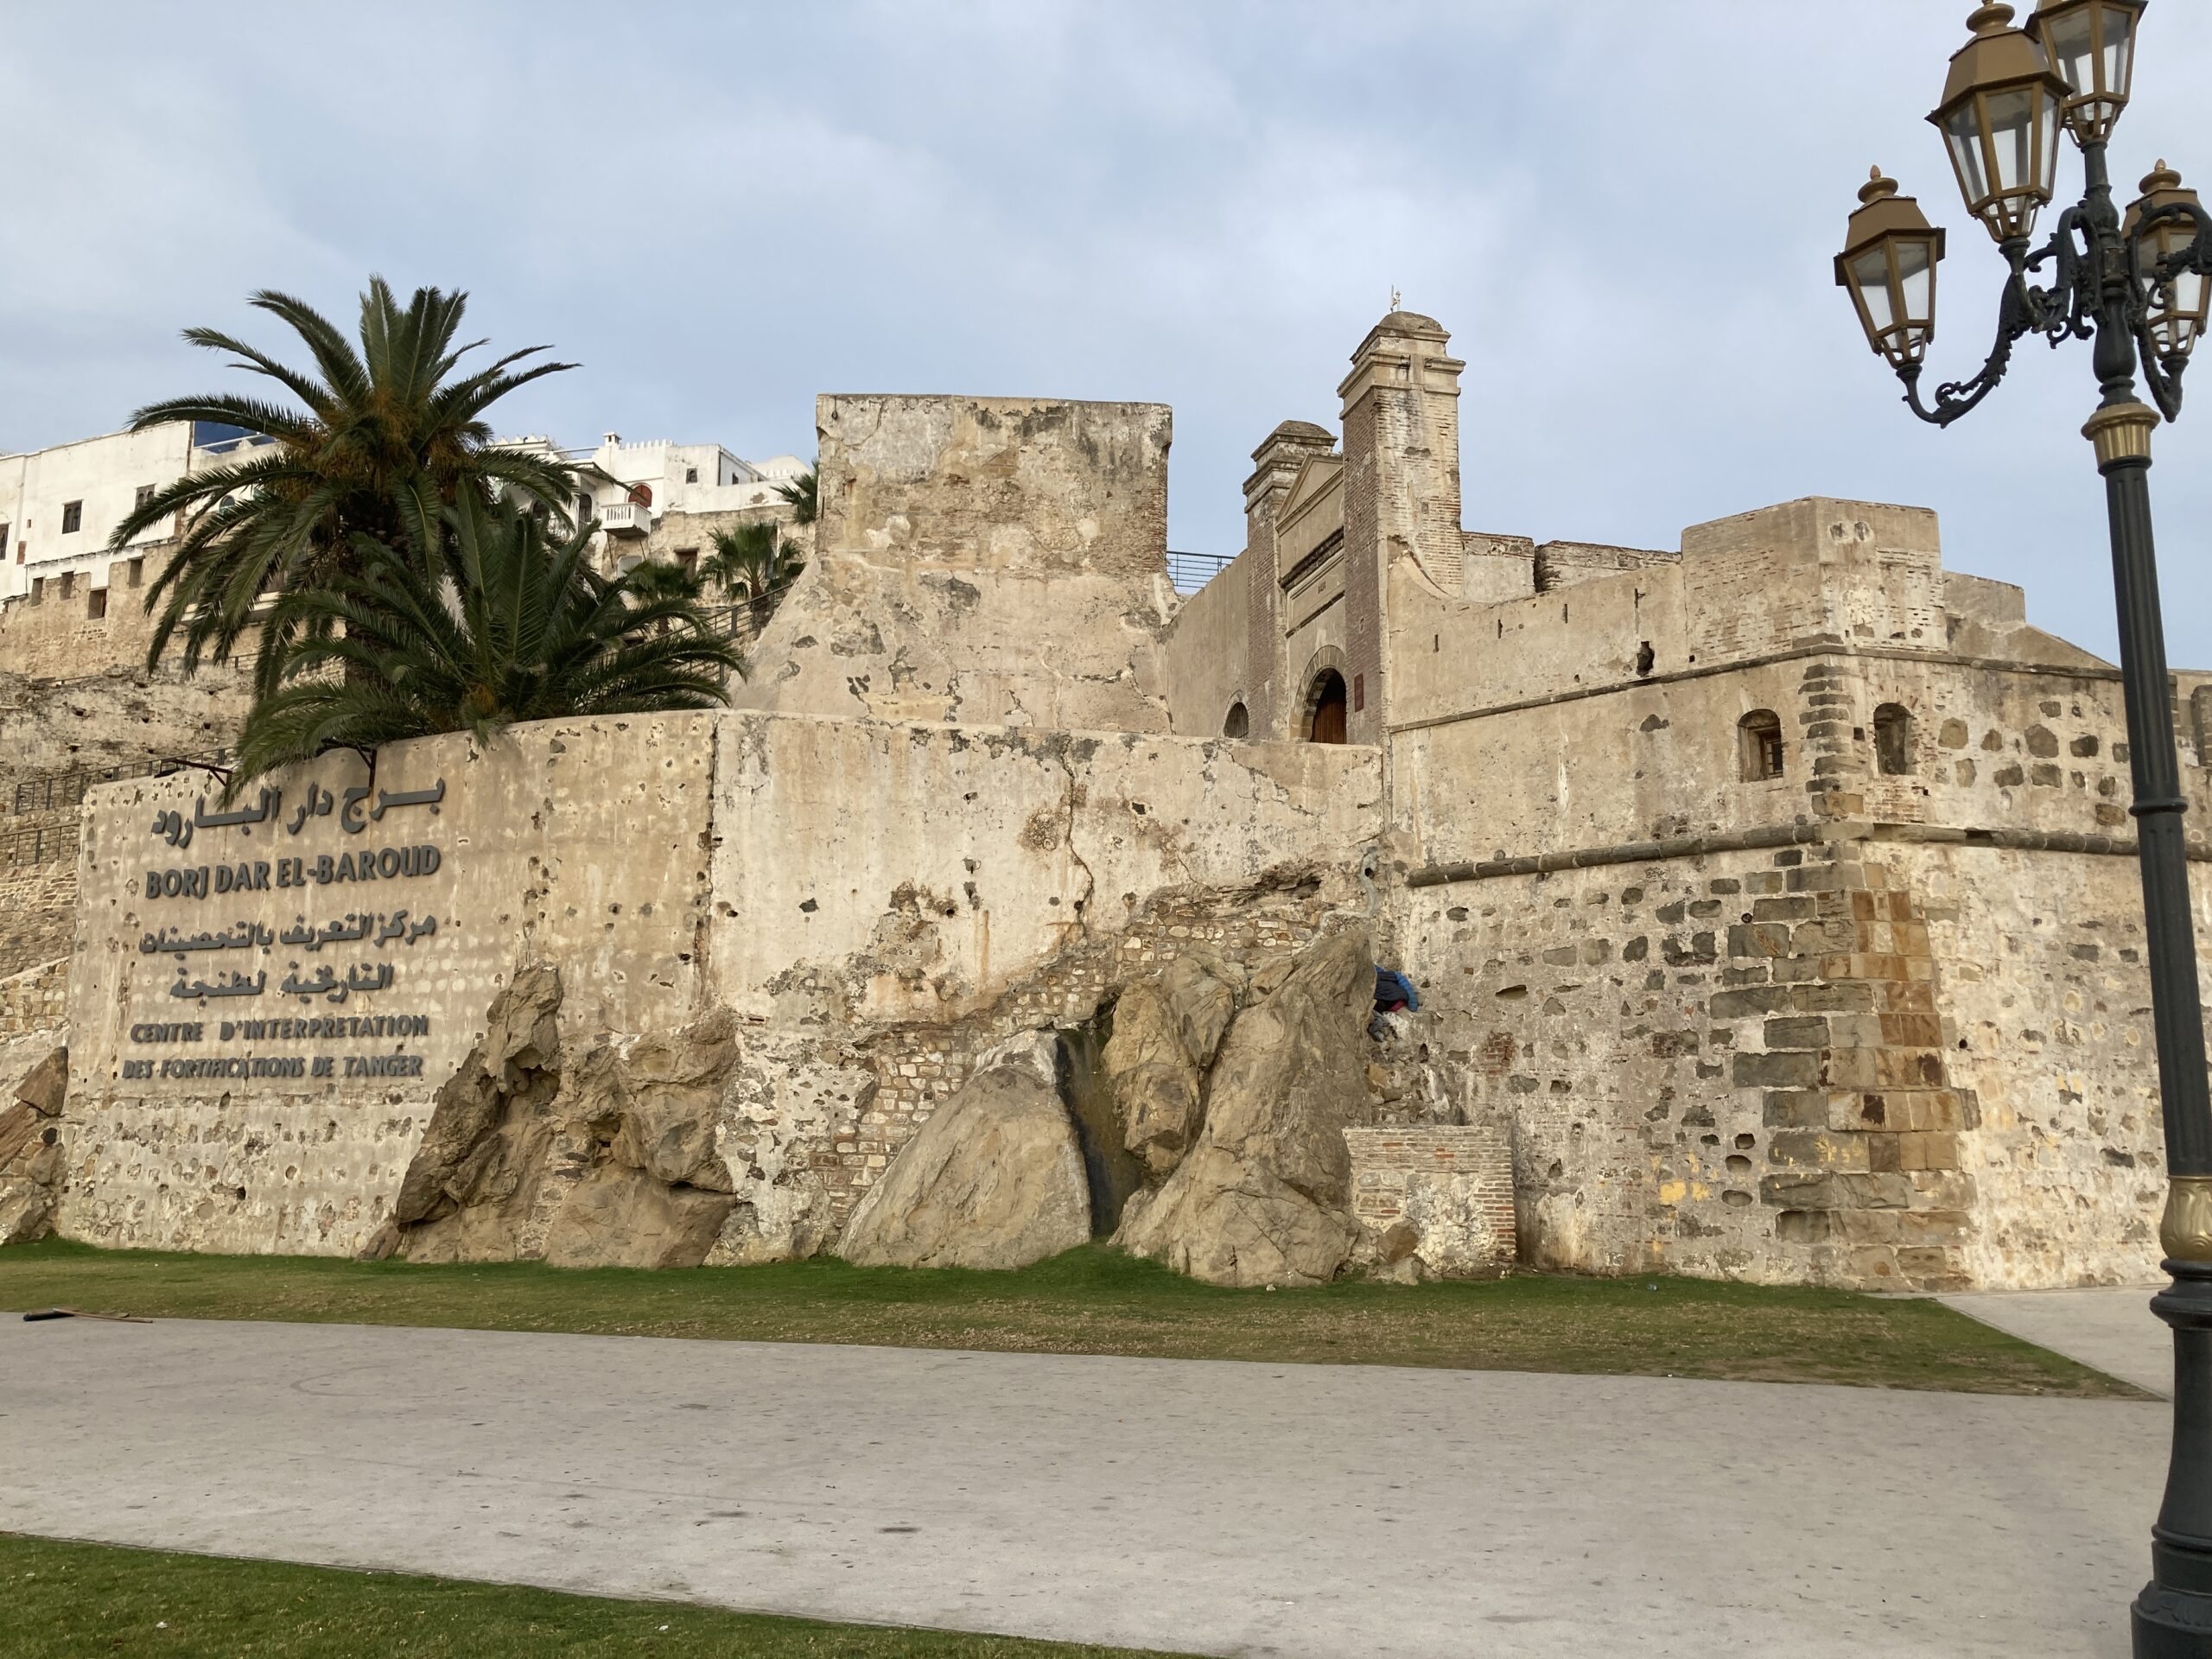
point(983, 561)
point(582, 842)
point(866, 898)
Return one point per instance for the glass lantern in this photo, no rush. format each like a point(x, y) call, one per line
point(1888, 263)
point(2091, 45)
point(2000, 118)
point(2177, 305)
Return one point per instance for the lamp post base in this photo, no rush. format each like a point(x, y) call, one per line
point(2170, 1624)
point(2172, 1618)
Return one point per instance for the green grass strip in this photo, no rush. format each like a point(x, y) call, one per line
point(61, 1600)
point(1099, 1302)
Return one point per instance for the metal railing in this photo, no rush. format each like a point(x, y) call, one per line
point(1192, 571)
point(62, 790)
point(42, 844)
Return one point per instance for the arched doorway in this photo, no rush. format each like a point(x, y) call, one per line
point(1324, 708)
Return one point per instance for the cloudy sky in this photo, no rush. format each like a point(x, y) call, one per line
point(1624, 210)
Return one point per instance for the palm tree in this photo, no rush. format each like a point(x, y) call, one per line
point(658, 579)
point(500, 618)
point(755, 557)
point(802, 494)
point(388, 439)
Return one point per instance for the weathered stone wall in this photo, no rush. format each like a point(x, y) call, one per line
point(871, 901)
point(117, 717)
point(980, 560)
point(582, 842)
point(38, 905)
point(1204, 655)
point(2047, 1016)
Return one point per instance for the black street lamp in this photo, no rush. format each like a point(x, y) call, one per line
point(2136, 287)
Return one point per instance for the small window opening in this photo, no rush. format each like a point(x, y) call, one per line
point(96, 603)
point(145, 494)
point(1325, 703)
point(1759, 740)
point(73, 517)
point(68, 584)
point(38, 590)
point(135, 572)
point(1644, 658)
point(1239, 722)
point(687, 560)
point(691, 474)
point(1894, 740)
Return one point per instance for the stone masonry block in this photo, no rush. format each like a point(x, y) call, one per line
point(1820, 1149)
point(1851, 1068)
point(1835, 998)
point(1798, 909)
point(1907, 1068)
point(1797, 1108)
point(1760, 939)
point(1797, 1070)
point(1799, 1031)
point(1735, 1005)
point(1926, 1151)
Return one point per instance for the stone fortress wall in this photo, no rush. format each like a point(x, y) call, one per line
point(1860, 1002)
point(875, 905)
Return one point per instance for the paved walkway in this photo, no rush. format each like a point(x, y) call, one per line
point(1230, 1509)
point(2111, 1330)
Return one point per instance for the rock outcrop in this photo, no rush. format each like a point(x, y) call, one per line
point(1167, 1028)
point(472, 1192)
point(1263, 1197)
point(656, 1192)
point(30, 1151)
point(993, 1180)
point(611, 1163)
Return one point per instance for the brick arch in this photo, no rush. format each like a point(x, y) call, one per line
point(1326, 679)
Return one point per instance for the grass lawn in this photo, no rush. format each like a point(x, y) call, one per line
point(60, 1600)
point(1097, 1301)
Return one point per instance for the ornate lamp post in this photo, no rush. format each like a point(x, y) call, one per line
point(2136, 288)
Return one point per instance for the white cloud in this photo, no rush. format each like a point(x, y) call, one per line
point(1624, 212)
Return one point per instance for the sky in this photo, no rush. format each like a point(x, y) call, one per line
point(1626, 212)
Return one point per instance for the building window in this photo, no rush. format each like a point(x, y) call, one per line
point(68, 584)
point(1324, 709)
point(1759, 740)
point(145, 494)
point(1239, 723)
point(1894, 740)
point(691, 474)
point(73, 517)
point(136, 572)
point(96, 603)
point(38, 590)
point(583, 509)
point(687, 561)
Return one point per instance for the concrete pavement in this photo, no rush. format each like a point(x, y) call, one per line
point(2109, 1329)
point(1314, 1511)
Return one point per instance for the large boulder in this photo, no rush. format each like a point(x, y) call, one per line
point(471, 1192)
point(658, 1192)
point(995, 1179)
point(1264, 1198)
point(30, 1151)
point(620, 1217)
point(1165, 1030)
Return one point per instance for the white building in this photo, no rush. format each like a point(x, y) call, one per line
point(58, 506)
point(632, 488)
